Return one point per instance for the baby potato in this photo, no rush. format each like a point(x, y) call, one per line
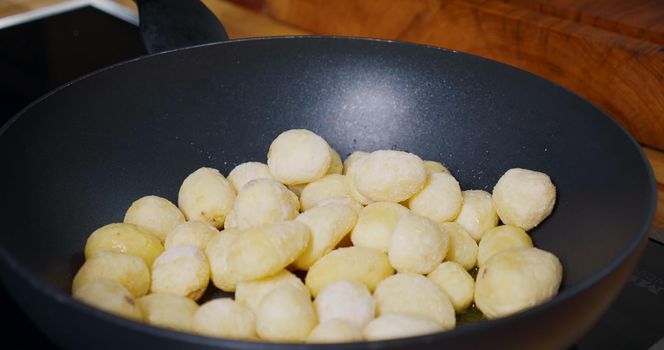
point(169, 311)
point(524, 198)
point(461, 248)
point(435, 167)
point(225, 318)
point(196, 233)
point(334, 331)
point(285, 314)
point(392, 326)
point(343, 200)
point(263, 201)
point(217, 253)
point(245, 172)
point(477, 214)
point(389, 176)
point(156, 214)
point(110, 296)
point(413, 294)
point(366, 265)
point(350, 169)
point(516, 279)
point(352, 158)
point(181, 270)
point(336, 165)
point(298, 156)
point(456, 282)
point(124, 238)
point(206, 195)
point(418, 245)
point(251, 293)
point(129, 270)
point(329, 186)
point(346, 300)
point(501, 238)
point(328, 225)
point(297, 189)
point(376, 224)
point(440, 200)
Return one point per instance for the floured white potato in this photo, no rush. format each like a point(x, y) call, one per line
point(537, 274)
point(336, 165)
point(181, 270)
point(206, 195)
point(477, 214)
point(110, 296)
point(418, 245)
point(245, 172)
point(461, 248)
point(334, 331)
point(409, 293)
point(440, 199)
point(435, 167)
point(285, 314)
point(376, 224)
point(501, 238)
point(456, 282)
point(524, 198)
point(328, 225)
point(129, 270)
point(196, 233)
point(350, 168)
point(217, 253)
point(251, 293)
point(169, 311)
point(260, 202)
point(390, 176)
point(224, 318)
point(346, 300)
point(329, 186)
point(298, 156)
point(345, 200)
point(392, 326)
point(124, 238)
point(352, 158)
point(156, 214)
point(366, 265)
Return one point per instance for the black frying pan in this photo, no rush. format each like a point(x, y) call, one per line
point(75, 159)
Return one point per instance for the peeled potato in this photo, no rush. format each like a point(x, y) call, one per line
point(390, 176)
point(392, 326)
point(334, 331)
point(206, 195)
point(537, 274)
point(169, 311)
point(245, 172)
point(196, 233)
point(297, 189)
point(376, 224)
point(440, 200)
point(336, 165)
point(124, 238)
point(435, 167)
point(456, 282)
point(352, 158)
point(409, 293)
point(344, 200)
point(217, 253)
point(224, 318)
point(349, 180)
point(181, 270)
point(329, 186)
point(366, 265)
point(477, 214)
point(298, 156)
point(346, 300)
point(251, 293)
point(260, 202)
point(462, 248)
point(524, 198)
point(156, 214)
point(418, 245)
point(129, 270)
point(501, 238)
point(110, 296)
point(285, 314)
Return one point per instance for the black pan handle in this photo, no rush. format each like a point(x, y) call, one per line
point(173, 24)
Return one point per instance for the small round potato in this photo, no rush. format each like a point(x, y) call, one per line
point(456, 282)
point(435, 167)
point(297, 189)
point(418, 245)
point(392, 326)
point(409, 293)
point(328, 225)
point(390, 176)
point(251, 293)
point(336, 165)
point(225, 318)
point(352, 158)
point(334, 331)
point(477, 214)
point(350, 168)
point(524, 198)
point(537, 274)
point(206, 195)
point(344, 200)
point(156, 214)
point(501, 238)
point(285, 314)
point(181, 270)
point(110, 296)
point(170, 311)
point(346, 300)
point(462, 248)
point(329, 186)
point(129, 270)
point(196, 233)
point(440, 199)
point(366, 265)
point(298, 156)
point(124, 238)
point(260, 202)
point(376, 224)
point(245, 172)
point(217, 253)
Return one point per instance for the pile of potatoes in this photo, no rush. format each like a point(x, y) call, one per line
point(386, 239)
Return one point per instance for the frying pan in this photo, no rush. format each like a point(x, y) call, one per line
point(75, 159)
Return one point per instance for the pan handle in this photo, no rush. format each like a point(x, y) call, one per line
point(173, 24)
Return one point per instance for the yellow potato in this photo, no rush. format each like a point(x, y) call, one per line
point(196, 233)
point(413, 294)
point(129, 270)
point(156, 214)
point(389, 176)
point(456, 282)
point(169, 311)
point(328, 225)
point(224, 318)
point(376, 224)
point(110, 296)
point(462, 248)
point(350, 167)
point(334, 331)
point(298, 156)
point(477, 214)
point(124, 238)
point(352, 158)
point(435, 167)
point(346, 300)
point(440, 200)
point(344, 200)
point(245, 172)
point(297, 189)
point(392, 326)
point(329, 186)
point(418, 245)
point(181, 270)
point(336, 165)
point(206, 195)
point(251, 293)
point(501, 238)
point(366, 265)
point(217, 253)
point(260, 202)
point(285, 314)
point(524, 198)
